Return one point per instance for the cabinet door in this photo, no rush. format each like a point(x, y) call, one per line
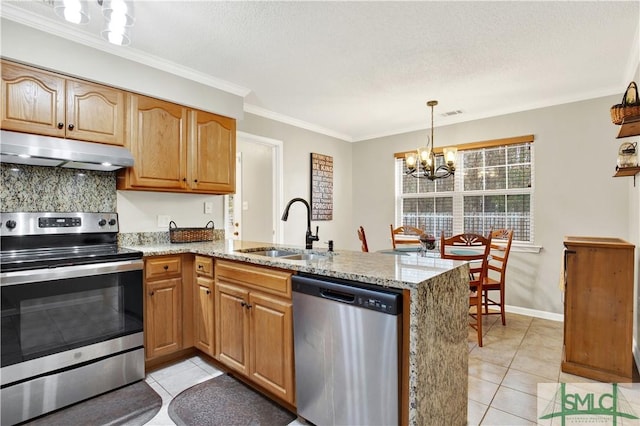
point(213, 153)
point(32, 101)
point(232, 326)
point(158, 143)
point(271, 359)
point(163, 321)
point(203, 314)
point(95, 113)
point(598, 312)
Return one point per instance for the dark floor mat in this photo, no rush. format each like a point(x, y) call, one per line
point(225, 401)
point(132, 405)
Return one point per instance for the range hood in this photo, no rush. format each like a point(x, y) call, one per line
point(36, 150)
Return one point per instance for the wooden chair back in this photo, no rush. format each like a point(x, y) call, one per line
point(412, 234)
point(497, 269)
point(363, 239)
point(475, 249)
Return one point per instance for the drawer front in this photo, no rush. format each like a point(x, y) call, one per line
point(161, 267)
point(204, 266)
point(266, 279)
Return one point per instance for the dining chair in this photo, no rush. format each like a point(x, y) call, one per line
point(363, 239)
point(475, 249)
point(497, 270)
point(411, 235)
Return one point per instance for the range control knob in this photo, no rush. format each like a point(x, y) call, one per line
point(102, 222)
point(11, 224)
point(112, 222)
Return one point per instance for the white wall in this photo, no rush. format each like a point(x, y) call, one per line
point(575, 155)
point(138, 210)
point(298, 144)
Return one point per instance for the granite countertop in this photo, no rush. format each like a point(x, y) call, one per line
point(397, 271)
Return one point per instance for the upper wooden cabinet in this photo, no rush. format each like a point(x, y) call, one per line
point(40, 102)
point(158, 142)
point(213, 153)
point(177, 149)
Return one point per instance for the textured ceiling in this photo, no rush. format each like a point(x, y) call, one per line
point(358, 70)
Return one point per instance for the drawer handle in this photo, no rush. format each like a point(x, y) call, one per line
point(166, 267)
point(200, 267)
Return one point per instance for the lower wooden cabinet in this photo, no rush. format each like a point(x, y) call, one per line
point(163, 306)
point(254, 325)
point(598, 308)
point(203, 305)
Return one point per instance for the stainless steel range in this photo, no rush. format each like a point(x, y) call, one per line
point(71, 311)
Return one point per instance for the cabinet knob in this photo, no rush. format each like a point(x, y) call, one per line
point(184, 179)
point(195, 180)
point(166, 267)
point(60, 125)
point(71, 126)
point(151, 293)
point(208, 291)
point(199, 266)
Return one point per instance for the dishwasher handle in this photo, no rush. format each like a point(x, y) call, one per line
point(337, 296)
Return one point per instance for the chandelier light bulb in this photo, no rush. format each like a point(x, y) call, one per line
point(74, 11)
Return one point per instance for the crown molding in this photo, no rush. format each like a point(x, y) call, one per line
point(256, 110)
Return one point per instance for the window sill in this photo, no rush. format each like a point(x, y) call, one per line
point(525, 248)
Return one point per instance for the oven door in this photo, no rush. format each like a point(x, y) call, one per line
point(56, 318)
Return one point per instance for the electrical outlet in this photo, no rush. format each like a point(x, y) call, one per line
point(163, 220)
point(208, 207)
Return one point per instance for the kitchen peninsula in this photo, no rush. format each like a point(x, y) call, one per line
point(435, 354)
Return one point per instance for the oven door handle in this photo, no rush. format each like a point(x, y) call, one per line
point(63, 272)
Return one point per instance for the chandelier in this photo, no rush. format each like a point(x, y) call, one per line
point(422, 163)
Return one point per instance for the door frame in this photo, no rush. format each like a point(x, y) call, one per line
point(277, 180)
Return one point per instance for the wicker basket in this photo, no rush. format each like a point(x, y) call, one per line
point(630, 106)
point(190, 235)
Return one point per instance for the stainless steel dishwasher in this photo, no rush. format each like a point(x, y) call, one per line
point(347, 344)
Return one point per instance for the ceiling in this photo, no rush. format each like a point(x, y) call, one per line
point(359, 70)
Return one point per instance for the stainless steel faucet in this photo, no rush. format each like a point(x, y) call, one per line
point(309, 237)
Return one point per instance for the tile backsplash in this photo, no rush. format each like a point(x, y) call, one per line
point(42, 189)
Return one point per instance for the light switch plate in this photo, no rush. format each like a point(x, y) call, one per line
point(208, 207)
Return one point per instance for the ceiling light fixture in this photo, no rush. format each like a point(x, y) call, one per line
point(119, 20)
point(422, 163)
point(118, 15)
point(74, 11)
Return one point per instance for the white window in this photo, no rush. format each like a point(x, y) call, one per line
point(492, 188)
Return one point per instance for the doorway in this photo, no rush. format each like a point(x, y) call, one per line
point(252, 213)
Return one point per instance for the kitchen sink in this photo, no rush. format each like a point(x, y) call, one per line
point(305, 256)
point(272, 253)
point(286, 254)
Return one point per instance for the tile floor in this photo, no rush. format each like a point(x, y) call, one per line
point(503, 374)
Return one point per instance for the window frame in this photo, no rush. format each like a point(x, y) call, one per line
point(459, 193)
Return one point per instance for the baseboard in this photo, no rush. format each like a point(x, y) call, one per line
point(534, 313)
